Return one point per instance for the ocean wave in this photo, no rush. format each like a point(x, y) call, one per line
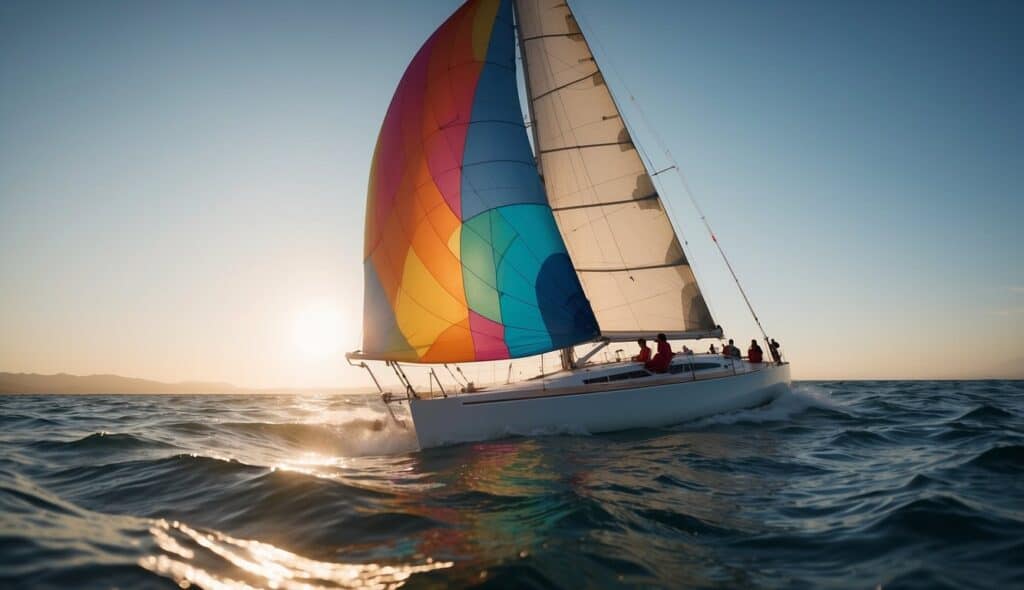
point(679, 521)
point(212, 559)
point(22, 421)
point(229, 494)
point(985, 413)
point(42, 546)
point(828, 485)
point(375, 435)
point(103, 441)
point(860, 438)
point(940, 517)
point(1007, 459)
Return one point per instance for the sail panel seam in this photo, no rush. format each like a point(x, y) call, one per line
point(680, 262)
point(564, 86)
point(551, 35)
point(585, 146)
point(606, 203)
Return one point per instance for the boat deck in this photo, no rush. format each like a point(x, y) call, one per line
point(604, 377)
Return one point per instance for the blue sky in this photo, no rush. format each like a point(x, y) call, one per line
point(180, 181)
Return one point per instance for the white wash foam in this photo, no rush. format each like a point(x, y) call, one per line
point(793, 401)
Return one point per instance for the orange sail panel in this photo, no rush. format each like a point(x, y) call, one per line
point(463, 260)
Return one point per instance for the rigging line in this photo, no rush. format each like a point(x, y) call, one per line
point(703, 218)
point(674, 165)
point(452, 373)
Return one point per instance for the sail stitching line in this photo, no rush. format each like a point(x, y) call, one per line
point(550, 35)
point(681, 262)
point(566, 85)
point(606, 203)
point(585, 146)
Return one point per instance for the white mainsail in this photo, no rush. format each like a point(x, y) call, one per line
point(621, 241)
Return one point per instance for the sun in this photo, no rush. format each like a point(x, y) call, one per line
point(317, 331)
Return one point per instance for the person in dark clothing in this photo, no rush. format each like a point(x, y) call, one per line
point(730, 351)
point(754, 353)
point(645, 351)
point(773, 349)
point(661, 360)
point(712, 350)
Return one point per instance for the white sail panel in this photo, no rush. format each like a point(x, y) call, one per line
point(600, 228)
point(622, 243)
point(650, 301)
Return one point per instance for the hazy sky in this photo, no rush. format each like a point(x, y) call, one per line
point(182, 184)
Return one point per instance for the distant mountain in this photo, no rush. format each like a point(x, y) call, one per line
point(64, 383)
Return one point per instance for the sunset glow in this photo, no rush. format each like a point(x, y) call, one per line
point(317, 331)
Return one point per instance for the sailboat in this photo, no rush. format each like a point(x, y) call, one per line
point(481, 248)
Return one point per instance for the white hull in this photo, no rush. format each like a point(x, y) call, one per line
point(648, 402)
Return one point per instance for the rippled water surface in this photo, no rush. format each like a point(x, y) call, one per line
point(836, 484)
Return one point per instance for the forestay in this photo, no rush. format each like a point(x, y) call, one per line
point(622, 243)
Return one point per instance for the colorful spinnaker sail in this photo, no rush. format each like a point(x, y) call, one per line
point(463, 259)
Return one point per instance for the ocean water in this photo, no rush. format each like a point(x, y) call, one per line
point(832, 485)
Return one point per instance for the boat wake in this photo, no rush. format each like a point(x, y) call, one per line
point(794, 401)
point(382, 435)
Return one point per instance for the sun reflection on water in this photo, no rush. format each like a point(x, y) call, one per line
point(191, 555)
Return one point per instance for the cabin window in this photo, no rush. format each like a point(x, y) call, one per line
point(695, 367)
point(629, 375)
point(617, 377)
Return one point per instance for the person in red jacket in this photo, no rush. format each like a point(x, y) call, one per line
point(645, 351)
point(661, 360)
point(754, 353)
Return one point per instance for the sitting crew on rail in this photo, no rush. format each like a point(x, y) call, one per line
point(645, 352)
point(661, 360)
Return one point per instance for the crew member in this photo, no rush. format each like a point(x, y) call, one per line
point(773, 348)
point(645, 351)
point(754, 353)
point(661, 360)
